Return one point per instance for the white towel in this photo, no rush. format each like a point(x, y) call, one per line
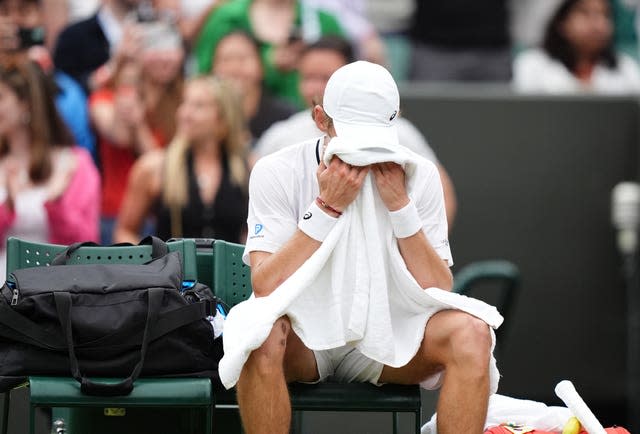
point(355, 288)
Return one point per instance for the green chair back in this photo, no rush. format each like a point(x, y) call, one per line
point(501, 275)
point(26, 254)
point(231, 277)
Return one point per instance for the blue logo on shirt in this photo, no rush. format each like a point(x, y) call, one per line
point(258, 229)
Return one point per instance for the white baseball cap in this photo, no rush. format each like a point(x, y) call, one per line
point(363, 100)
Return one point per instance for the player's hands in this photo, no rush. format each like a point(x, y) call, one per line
point(390, 180)
point(340, 182)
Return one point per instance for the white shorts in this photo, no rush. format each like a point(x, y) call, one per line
point(348, 365)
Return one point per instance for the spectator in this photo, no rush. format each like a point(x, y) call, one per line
point(282, 28)
point(577, 54)
point(392, 20)
point(193, 14)
point(90, 50)
point(237, 59)
point(459, 40)
point(49, 189)
point(318, 62)
point(352, 17)
point(21, 25)
point(197, 186)
point(134, 115)
point(59, 14)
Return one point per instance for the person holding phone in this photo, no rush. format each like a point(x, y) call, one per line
point(135, 113)
point(89, 50)
point(22, 32)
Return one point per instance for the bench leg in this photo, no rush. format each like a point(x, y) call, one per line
point(208, 429)
point(4, 424)
point(32, 419)
point(396, 420)
point(418, 420)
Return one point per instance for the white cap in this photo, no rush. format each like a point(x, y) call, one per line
point(363, 100)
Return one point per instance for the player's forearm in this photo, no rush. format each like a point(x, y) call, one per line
point(424, 264)
point(275, 268)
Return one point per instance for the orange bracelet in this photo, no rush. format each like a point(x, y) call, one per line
point(325, 205)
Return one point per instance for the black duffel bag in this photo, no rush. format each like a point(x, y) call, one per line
point(106, 320)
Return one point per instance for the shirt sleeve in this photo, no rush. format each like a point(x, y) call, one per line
point(271, 219)
point(429, 199)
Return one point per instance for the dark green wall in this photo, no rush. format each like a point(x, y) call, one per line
point(533, 178)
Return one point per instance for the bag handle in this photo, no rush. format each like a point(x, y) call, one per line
point(158, 249)
point(124, 387)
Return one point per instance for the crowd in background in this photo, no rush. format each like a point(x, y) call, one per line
point(120, 118)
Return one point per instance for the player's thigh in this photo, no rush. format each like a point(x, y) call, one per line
point(299, 361)
point(436, 349)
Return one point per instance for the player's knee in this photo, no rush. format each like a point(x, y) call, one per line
point(269, 357)
point(470, 343)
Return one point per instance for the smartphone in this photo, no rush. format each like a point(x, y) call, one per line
point(30, 36)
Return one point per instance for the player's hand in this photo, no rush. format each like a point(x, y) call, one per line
point(390, 180)
point(340, 182)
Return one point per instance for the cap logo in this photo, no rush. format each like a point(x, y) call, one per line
point(395, 112)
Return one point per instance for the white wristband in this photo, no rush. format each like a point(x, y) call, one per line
point(316, 223)
point(405, 221)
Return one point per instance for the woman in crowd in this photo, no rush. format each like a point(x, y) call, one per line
point(135, 114)
point(237, 59)
point(197, 187)
point(22, 30)
point(49, 189)
point(577, 54)
point(282, 28)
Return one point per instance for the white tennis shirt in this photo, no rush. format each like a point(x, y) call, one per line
point(283, 185)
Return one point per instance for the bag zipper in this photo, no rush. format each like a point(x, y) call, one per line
point(14, 299)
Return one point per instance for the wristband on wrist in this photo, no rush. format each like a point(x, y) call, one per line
point(316, 223)
point(326, 206)
point(405, 221)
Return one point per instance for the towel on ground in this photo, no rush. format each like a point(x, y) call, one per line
point(354, 289)
point(519, 412)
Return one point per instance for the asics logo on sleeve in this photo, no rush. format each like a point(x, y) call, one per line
point(307, 216)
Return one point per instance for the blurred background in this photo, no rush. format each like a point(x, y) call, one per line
point(529, 108)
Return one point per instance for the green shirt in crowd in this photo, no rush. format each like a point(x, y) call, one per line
point(234, 16)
